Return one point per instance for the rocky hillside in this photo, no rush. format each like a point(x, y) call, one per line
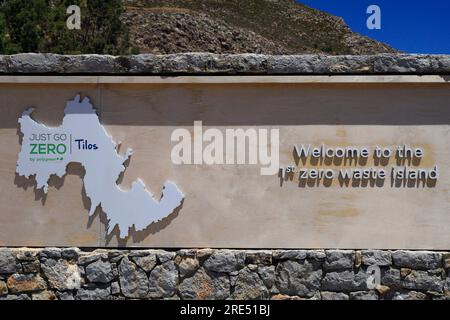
point(237, 26)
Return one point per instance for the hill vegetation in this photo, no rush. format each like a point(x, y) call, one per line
point(40, 26)
point(169, 26)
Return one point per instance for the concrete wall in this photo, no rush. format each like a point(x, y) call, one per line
point(382, 99)
point(233, 205)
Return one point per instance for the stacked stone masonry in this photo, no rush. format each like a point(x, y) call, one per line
point(74, 274)
point(224, 64)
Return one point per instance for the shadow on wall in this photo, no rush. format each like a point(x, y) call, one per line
point(244, 104)
point(78, 170)
point(134, 236)
point(276, 104)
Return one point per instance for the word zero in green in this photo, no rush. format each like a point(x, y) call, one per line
point(48, 148)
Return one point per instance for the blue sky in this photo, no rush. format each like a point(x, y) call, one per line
point(412, 26)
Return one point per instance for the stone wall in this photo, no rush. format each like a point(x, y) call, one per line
point(224, 64)
point(70, 273)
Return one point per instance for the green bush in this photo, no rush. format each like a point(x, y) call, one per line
point(40, 26)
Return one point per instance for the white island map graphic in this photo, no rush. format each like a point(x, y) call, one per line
point(82, 139)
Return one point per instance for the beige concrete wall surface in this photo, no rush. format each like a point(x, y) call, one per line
point(233, 206)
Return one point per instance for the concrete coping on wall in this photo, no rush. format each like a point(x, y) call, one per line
point(224, 64)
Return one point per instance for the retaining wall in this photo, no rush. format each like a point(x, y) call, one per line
point(72, 273)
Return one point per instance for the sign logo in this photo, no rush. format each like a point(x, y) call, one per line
point(82, 139)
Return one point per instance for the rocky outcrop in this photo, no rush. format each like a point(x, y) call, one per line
point(234, 26)
point(176, 31)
